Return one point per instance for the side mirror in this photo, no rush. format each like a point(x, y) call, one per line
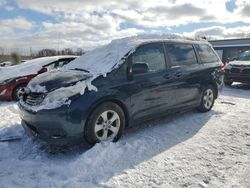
point(44, 69)
point(139, 68)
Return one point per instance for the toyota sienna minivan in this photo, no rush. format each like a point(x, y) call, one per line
point(95, 97)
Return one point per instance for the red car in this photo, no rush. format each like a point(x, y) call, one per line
point(14, 79)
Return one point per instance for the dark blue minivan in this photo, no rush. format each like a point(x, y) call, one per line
point(118, 85)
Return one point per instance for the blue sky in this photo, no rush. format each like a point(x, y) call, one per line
point(33, 24)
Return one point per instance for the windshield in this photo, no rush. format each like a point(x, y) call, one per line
point(245, 56)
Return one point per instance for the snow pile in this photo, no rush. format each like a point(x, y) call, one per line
point(27, 68)
point(37, 88)
point(188, 150)
point(9, 114)
point(60, 97)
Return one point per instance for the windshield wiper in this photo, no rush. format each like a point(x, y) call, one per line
point(79, 69)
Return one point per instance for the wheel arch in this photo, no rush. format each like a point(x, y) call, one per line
point(209, 82)
point(214, 85)
point(115, 101)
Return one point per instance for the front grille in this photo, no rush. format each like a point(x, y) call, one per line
point(246, 71)
point(34, 99)
point(240, 70)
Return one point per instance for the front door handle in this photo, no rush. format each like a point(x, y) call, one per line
point(169, 76)
point(178, 74)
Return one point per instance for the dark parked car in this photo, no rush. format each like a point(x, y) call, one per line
point(14, 79)
point(238, 70)
point(5, 64)
point(155, 78)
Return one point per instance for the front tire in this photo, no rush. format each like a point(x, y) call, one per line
point(106, 123)
point(207, 100)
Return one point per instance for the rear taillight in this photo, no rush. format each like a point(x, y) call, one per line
point(222, 66)
point(44, 69)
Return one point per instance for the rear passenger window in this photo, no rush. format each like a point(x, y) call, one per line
point(51, 66)
point(206, 53)
point(181, 54)
point(152, 55)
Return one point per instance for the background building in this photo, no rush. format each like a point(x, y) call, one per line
point(230, 48)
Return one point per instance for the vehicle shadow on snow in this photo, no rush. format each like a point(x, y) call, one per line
point(184, 124)
point(147, 140)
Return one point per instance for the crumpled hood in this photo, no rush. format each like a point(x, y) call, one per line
point(50, 81)
point(239, 63)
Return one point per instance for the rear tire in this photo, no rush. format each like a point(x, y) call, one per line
point(207, 100)
point(18, 92)
point(105, 123)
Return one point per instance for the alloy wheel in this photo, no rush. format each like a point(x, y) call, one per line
point(208, 98)
point(20, 92)
point(107, 125)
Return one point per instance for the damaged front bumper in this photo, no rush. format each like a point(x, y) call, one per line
point(53, 126)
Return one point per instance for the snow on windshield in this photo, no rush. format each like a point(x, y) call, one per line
point(102, 60)
point(26, 68)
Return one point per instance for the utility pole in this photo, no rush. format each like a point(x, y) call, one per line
point(58, 43)
point(31, 54)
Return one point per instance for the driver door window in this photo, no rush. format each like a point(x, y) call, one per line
point(152, 55)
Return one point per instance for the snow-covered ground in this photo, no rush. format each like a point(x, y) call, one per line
point(187, 150)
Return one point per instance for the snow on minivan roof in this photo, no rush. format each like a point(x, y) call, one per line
point(104, 59)
point(28, 67)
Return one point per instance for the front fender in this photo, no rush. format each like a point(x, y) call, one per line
point(82, 105)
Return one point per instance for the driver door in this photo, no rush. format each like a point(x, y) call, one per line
point(150, 89)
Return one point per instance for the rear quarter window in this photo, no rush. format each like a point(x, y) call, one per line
point(181, 54)
point(206, 53)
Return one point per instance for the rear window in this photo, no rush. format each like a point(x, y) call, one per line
point(181, 54)
point(206, 53)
